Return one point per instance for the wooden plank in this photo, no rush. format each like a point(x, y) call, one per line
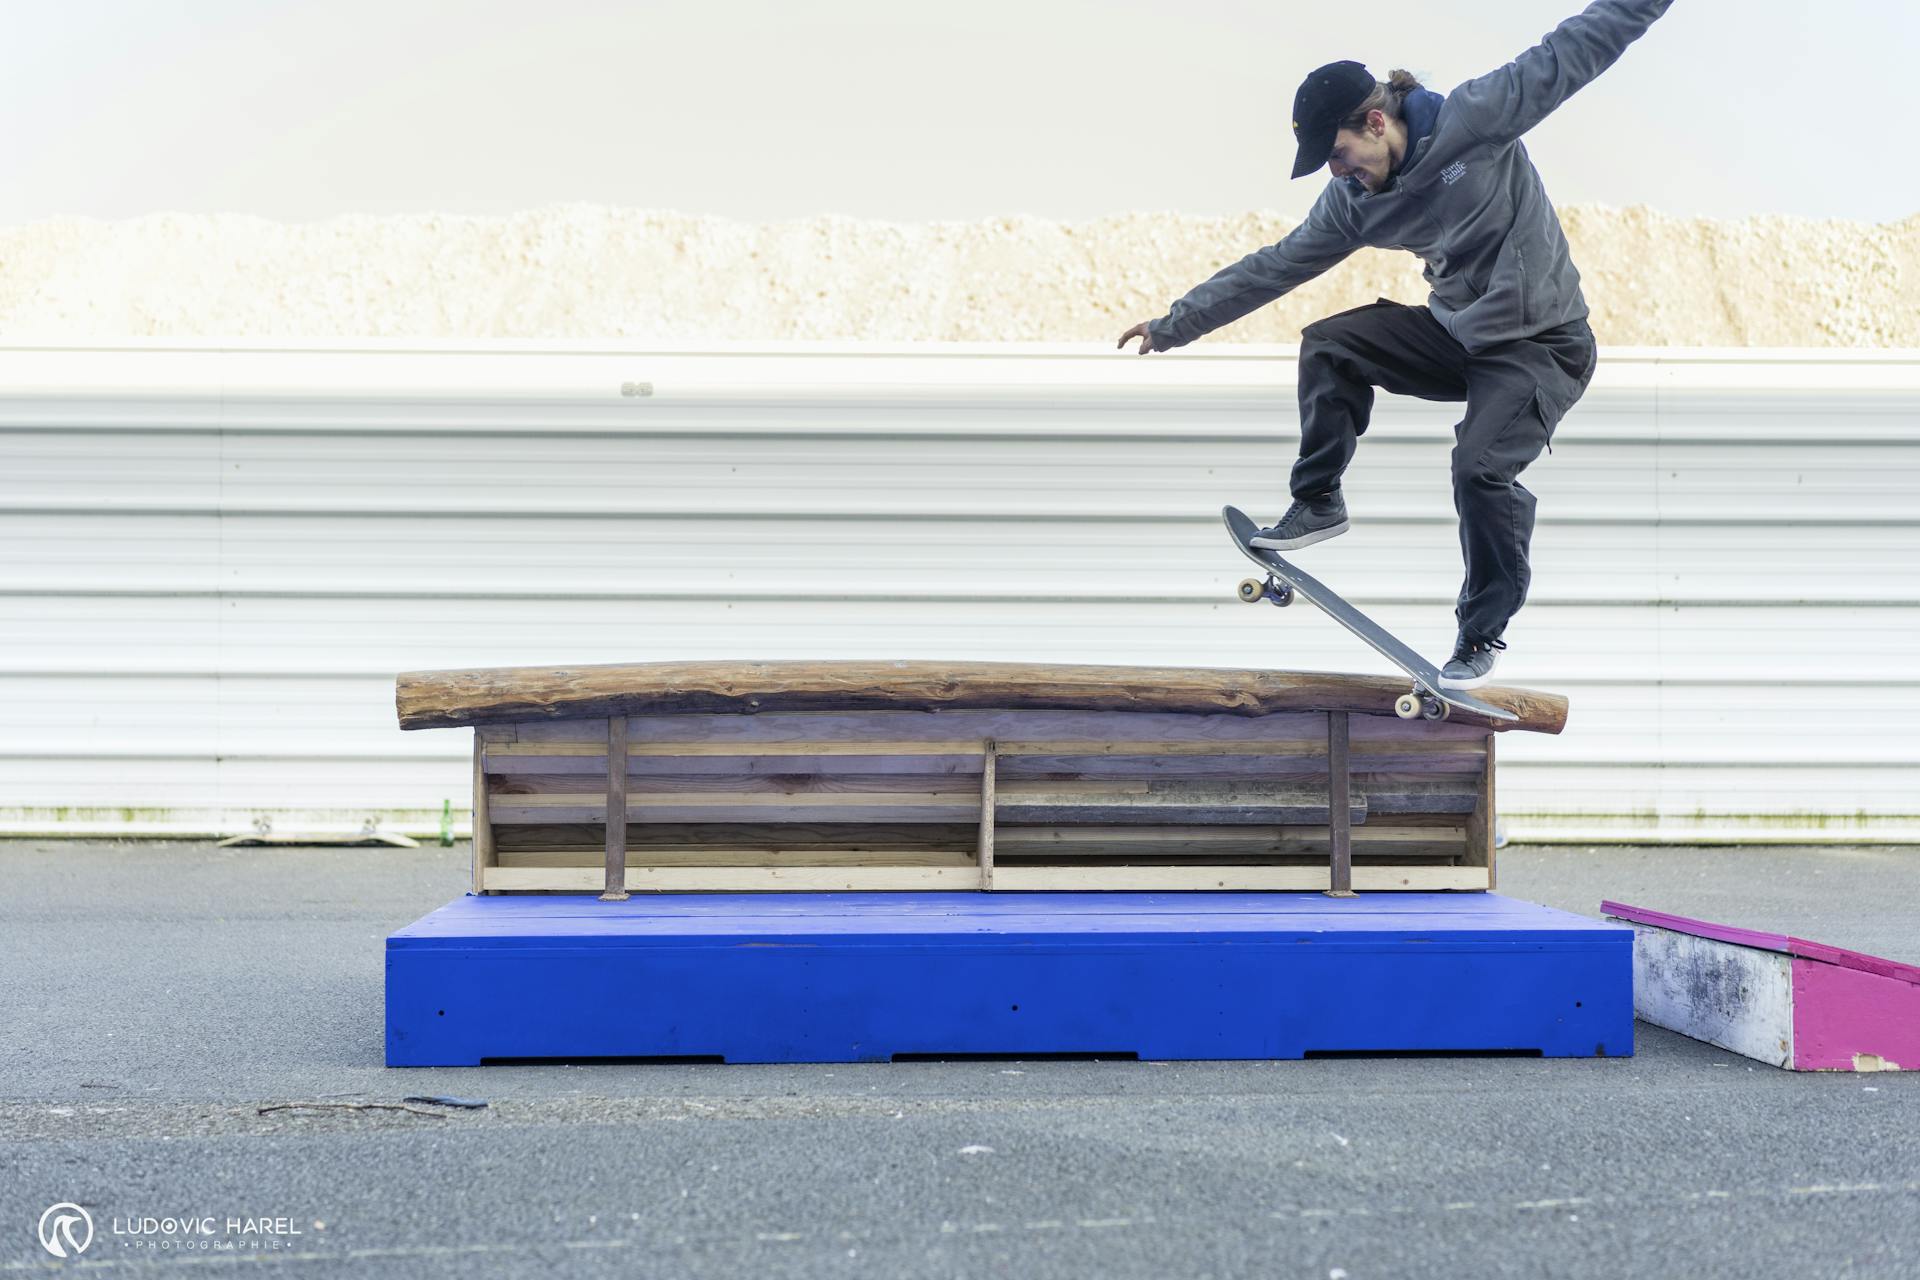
point(1195, 766)
point(1153, 858)
point(445, 699)
point(1399, 855)
point(1131, 843)
point(638, 799)
point(1093, 747)
point(958, 836)
point(638, 788)
point(483, 847)
point(963, 730)
point(1182, 841)
point(960, 751)
point(966, 728)
point(614, 884)
point(743, 807)
point(1163, 802)
point(1404, 838)
point(1222, 763)
point(1455, 821)
point(735, 879)
point(651, 855)
point(932, 764)
point(1340, 827)
point(750, 750)
point(1028, 801)
point(1172, 879)
point(848, 879)
point(1306, 768)
point(987, 804)
point(1407, 795)
point(1025, 838)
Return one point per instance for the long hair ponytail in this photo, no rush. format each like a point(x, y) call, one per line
point(1389, 97)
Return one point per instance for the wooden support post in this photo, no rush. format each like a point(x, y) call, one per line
point(1339, 807)
point(986, 814)
point(483, 855)
point(616, 885)
point(1480, 823)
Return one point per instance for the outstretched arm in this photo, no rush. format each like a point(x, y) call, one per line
point(1316, 245)
point(1503, 104)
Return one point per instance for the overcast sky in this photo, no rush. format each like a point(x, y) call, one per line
point(899, 109)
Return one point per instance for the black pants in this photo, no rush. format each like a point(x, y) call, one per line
point(1516, 394)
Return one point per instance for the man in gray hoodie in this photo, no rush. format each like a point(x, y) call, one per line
point(1505, 325)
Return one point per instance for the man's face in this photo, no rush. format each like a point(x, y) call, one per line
point(1363, 155)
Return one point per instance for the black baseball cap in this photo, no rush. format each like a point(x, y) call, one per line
point(1326, 97)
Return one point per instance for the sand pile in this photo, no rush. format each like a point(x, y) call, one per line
point(594, 272)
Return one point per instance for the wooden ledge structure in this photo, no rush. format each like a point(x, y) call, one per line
point(829, 776)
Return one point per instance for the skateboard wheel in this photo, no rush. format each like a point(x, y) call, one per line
point(1406, 706)
point(1251, 589)
point(1280, 593)
point(1434, 709)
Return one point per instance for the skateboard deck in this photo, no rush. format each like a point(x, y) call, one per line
point(1284, 580)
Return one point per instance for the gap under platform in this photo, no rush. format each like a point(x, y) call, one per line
point(863, 977)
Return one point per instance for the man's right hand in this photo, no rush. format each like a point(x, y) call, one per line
point(1142, 332)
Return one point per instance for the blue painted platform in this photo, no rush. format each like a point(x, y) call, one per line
point(863, 977)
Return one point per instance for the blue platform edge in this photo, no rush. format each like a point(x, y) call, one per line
point(863, 977)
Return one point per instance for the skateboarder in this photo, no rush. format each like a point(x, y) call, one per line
point(1504, 327)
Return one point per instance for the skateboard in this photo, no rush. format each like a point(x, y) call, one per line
point(1283, 581)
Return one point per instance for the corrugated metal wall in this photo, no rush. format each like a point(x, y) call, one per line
point(214, 560)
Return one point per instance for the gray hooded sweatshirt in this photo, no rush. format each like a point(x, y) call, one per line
point(1466, 200)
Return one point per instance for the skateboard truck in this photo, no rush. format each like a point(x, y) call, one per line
point(1252, 590)
point(1422, 702)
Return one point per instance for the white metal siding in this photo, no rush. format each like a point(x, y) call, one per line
point(213, 560)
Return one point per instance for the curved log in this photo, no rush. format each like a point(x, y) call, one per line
point(447, 699)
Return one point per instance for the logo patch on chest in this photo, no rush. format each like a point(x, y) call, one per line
point(1454, 172)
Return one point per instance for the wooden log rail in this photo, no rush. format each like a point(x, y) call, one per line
point(450, 699)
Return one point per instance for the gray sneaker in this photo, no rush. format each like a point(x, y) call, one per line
point(1471, 664)
point(1307, 522)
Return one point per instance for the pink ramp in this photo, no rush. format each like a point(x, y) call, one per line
point(1797, 1004)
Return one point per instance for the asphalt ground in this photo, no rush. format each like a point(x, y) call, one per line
point(154, 998)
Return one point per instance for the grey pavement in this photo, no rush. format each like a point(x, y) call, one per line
point(155, 997)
